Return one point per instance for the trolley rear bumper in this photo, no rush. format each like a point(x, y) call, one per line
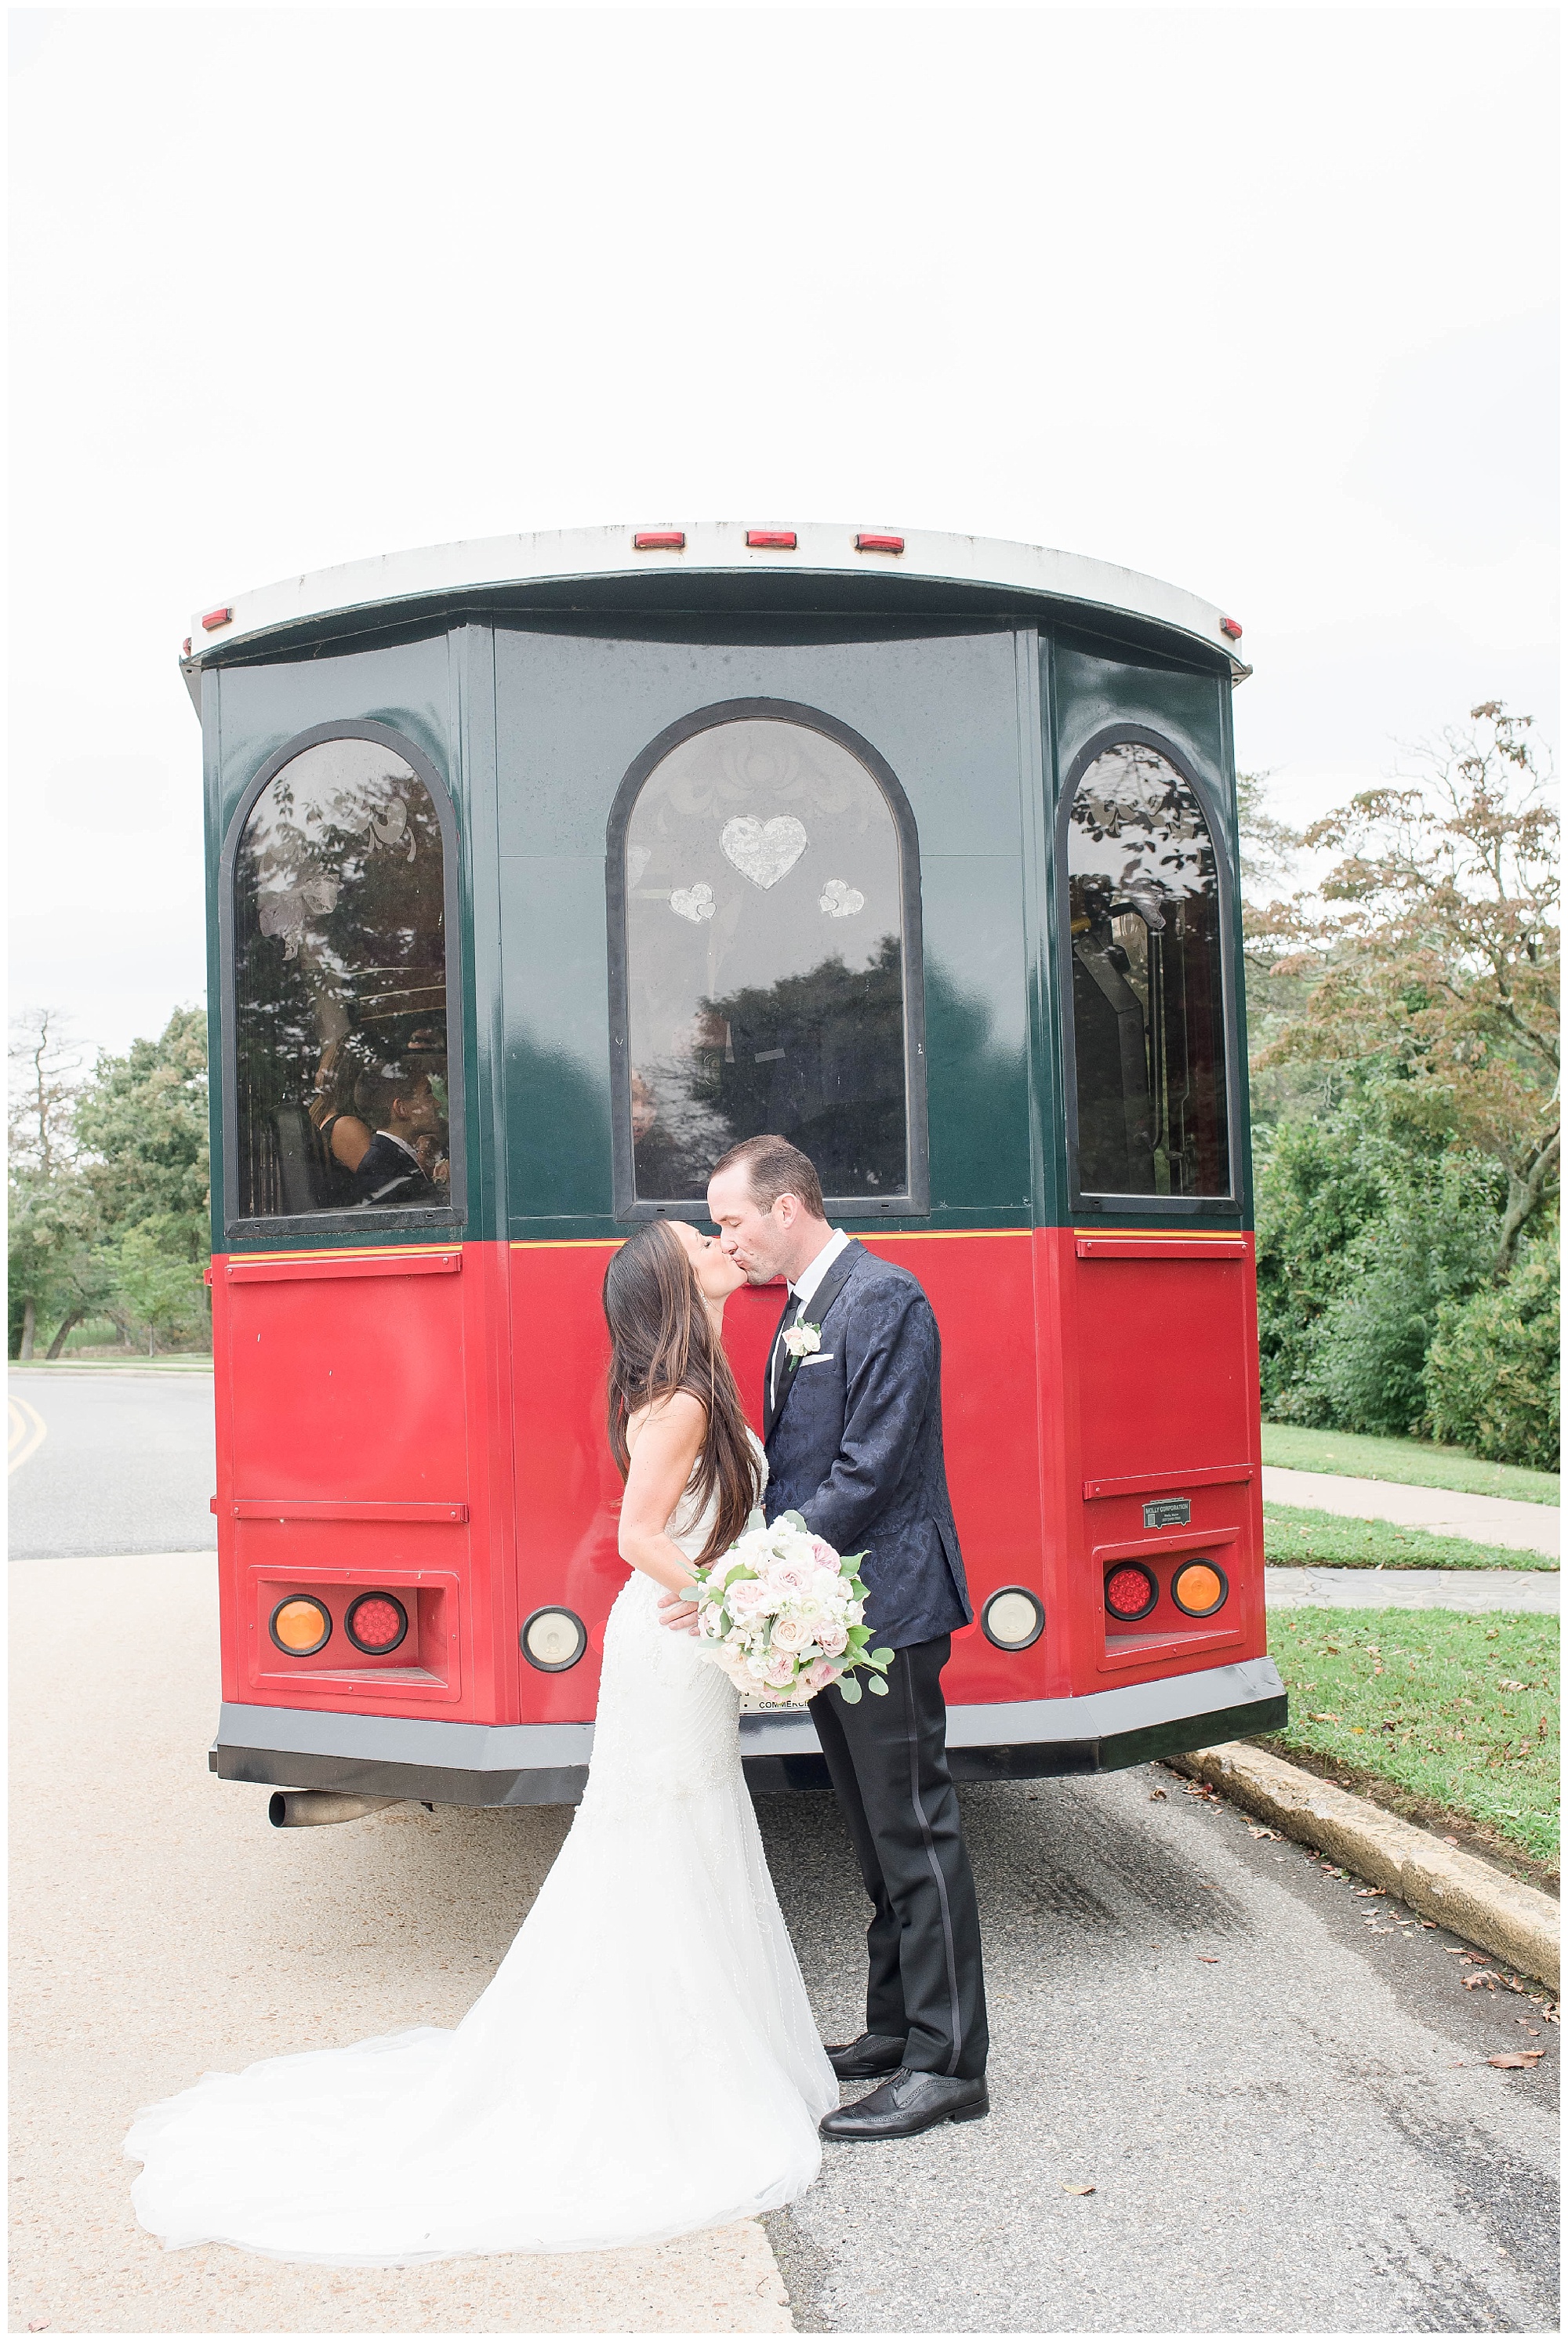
point(547, 1763)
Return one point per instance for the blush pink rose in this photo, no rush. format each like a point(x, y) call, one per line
point(791, 1576)
point(790, 1633)
point(818, 1675)
point(779, 1672)
point(832, 1638)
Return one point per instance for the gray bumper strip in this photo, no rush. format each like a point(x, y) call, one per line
point(547, 1763)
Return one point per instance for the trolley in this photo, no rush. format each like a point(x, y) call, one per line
point(543, 869)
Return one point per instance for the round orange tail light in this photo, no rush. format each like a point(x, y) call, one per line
point(1130, 1592)
point(1200, 1588)
point(300, 1626)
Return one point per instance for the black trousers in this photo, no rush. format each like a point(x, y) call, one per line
point(888, 1761)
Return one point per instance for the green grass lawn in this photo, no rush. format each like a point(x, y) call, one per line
point(1293, 1534)
point(1460, 1713)
point(1408, 1460)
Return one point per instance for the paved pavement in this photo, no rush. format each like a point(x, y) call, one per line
point(109, 1463)
point(160, 1928)
point(1277, 2089)
point(1471, 1589)
point(1488, 1520)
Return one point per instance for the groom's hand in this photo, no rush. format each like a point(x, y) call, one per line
point(676, 1611)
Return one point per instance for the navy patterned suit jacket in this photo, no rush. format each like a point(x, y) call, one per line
point(854, 1445)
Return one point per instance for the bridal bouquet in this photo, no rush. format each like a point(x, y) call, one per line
point(783, 1615)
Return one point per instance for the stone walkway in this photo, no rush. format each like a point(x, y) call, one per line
point(1488, 1520)
point(1471, 1589)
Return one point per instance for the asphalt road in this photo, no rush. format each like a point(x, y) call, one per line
point(1277, 2089)
point(125, 1463)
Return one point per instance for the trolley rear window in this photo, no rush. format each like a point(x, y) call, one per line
point(340, 987)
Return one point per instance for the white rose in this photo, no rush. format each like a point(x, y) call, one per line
point(802, 1340)
point(792, 1633)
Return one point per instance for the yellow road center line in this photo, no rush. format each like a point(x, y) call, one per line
point(26, 1431)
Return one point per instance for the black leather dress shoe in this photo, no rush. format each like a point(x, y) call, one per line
point(907, 2104)
point(869, 2058)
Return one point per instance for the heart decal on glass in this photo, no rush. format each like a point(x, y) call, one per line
point(637, 860)
point(763, 850)
point(839, 900)
point(693, 903)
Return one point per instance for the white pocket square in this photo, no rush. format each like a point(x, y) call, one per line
point(819, 1358)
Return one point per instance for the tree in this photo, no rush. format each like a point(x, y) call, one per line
point(45, 1066)
point(159, 1288)
point(142, 1125)
point(1431, 954)
point(57, 1267)
point(52, 1217)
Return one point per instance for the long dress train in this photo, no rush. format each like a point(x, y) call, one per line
point(644, 2063)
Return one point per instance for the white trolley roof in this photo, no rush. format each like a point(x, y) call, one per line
point(400, 582)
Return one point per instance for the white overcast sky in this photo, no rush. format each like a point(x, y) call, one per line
point(1256, 299)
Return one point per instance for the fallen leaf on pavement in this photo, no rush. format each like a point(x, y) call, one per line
point(1263, 1832)
point(1361, 1891)
point(1075, 2190)
point(1156, 1795)
point(1204, 1962)
point(1452, 1952)
point(1485, 1976)
point(1515, 2059)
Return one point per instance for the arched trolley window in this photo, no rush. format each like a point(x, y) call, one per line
point(1145, 947)
point(342, 1056)
point(764, 937)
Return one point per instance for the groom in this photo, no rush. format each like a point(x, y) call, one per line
point(853, 1438)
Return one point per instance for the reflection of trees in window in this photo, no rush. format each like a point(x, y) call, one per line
point(1147, 995)
point(764, 960)
point(340, 962)
point(818, 1058)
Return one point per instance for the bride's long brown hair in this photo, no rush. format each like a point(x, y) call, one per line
point(662, 1340)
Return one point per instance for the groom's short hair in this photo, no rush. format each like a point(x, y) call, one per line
point(775, 1168)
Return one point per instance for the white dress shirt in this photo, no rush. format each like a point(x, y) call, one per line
point(806, 1282)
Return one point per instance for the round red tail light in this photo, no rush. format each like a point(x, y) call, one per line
point(1130, 1592)
point(376, 1623)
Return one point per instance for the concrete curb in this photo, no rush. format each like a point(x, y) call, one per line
point(1516, 1923)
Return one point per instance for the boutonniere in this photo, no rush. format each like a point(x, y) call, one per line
point(801, 1341)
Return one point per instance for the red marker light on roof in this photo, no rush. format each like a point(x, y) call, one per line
point(660, 540)
point(186, 647)
point(771, 540)
point(216, 617)
point(1229, 626)
point(867, 543)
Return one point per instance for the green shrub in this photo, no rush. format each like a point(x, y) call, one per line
point(1494, 1370)
point(1361, 1241)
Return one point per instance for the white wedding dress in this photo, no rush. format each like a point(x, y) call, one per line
point(645, 2062)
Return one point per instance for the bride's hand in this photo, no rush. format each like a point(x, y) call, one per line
point(676, 1610)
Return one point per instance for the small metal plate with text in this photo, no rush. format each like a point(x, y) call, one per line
point(1170, 1513)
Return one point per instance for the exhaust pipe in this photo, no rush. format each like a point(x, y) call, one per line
point(315, 1807)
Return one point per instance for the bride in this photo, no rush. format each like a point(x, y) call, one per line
point(645, 2062)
